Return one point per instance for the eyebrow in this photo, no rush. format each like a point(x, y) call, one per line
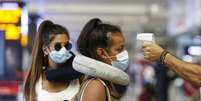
point(62, 42)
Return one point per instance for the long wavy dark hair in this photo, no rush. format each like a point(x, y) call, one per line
point(47, 31)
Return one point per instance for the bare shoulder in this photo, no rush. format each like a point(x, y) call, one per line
point(95, 91)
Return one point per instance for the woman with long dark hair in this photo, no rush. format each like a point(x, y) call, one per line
point(105, 43)
point(51, 76)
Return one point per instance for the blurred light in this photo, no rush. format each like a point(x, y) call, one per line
point(154, 8)
point(24, 21)
point(9, 6)
point(24, 40)
point(149, 74)
point(187, 58)
point(12, 32)
point(144, 19)
point(38, 22)
point(197, 39)
point(10, 16)
point(86, 8)
point(24, 27)
point(9, 87)
point(2, 26)
point(194, 50)
point(179, 82)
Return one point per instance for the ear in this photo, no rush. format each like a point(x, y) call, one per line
point(100, 52)
point(45, 50)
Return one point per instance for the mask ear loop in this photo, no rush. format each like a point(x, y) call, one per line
point(107, 56)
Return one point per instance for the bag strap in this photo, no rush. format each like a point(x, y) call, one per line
point(107, 90)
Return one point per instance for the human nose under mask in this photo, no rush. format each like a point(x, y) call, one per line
point(60, 56)
point(121, 61)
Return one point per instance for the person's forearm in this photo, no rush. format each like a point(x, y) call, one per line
point(188, 71)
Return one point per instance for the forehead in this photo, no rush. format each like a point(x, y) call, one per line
point(60, 38)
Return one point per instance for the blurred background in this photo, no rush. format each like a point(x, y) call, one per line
point(175, 23)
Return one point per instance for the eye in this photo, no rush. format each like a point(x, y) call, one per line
point(68, 46)
point(120, 49)
point(57, 46)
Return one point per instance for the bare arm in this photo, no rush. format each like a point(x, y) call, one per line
point(95, 91)
point(188, 71)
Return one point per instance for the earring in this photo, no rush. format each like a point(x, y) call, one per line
point(45, 62)
point(44, 67)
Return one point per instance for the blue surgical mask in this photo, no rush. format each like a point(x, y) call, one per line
point(60, 56)
point(121, 61)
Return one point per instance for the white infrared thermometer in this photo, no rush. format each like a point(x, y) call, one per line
point(146, 37)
